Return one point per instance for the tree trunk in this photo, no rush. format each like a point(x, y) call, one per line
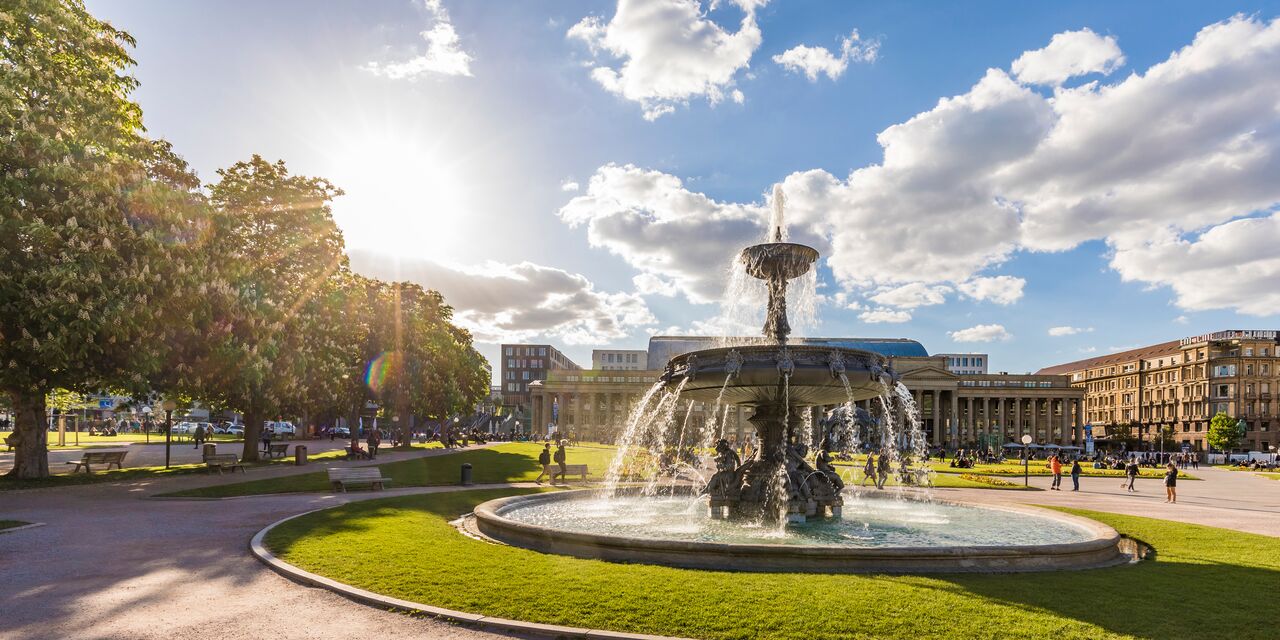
point(405, 429)
point(252, 434)
point(30, 436)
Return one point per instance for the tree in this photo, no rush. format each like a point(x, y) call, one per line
point(1224, 433)
point(95, 218)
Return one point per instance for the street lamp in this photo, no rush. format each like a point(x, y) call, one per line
point(1026, 459)
point(168, 406)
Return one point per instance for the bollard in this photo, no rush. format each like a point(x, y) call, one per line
point(299, 455)
point(466, 474)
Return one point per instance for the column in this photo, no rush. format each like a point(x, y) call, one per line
point(610, 420)
point(1065, 436)
point(986, 416)
point(1000, 409)
point(970, 421)
point(937, 417)
point(1018, 428)
point(953, 425)
point(1078, 421)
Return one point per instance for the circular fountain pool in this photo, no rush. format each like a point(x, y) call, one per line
point(875, 535)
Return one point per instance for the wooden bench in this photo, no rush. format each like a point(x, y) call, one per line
point(571, 470)
point(99, 457)
point(222, 462)
point(276, 450)
point(342, 478)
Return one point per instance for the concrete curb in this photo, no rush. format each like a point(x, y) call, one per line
point(32, 525)
point(260, 551)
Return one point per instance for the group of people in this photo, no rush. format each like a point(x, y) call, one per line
point(545, 458)
point(1131, 472)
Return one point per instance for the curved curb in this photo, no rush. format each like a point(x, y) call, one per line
point(260, 551)
point(30, 525)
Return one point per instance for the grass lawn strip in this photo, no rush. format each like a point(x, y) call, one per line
point(1205, 584)
point(11, 524)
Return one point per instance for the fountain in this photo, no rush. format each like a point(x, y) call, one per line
point(777, 510)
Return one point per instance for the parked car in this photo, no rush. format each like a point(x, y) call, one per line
point(184, 428)
point(281, 429)
point(233, 428)
point(342, 432)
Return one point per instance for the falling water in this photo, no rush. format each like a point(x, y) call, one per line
point(641, 417)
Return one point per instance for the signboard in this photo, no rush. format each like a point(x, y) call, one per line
point(106, 403)
point(1186, 448)
point(1088, 439)
point(1234, 334)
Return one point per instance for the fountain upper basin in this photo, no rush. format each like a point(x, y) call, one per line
point(785, 260)
point(877, 535)
point(757, 374)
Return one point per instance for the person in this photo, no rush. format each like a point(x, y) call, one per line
point(882, 470)
point(266, 440)
point(373, 440)
point(1195, 461)
point(544, 459)
point(1055, 465)
point(198, 436)
point(559, 458)
point(1131, 471)
point(1075, 474)
point(869, 471)
point(333, 432)
point(1171, 483)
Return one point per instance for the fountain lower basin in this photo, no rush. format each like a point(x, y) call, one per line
point(876, 535)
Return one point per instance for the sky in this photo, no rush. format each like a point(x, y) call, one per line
point(1043, 182)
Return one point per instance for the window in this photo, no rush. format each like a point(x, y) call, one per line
point(509, 350)
point(525, 376)
point(511, 364)
point(542, 351)
point(1248, 351)
point(977, 362)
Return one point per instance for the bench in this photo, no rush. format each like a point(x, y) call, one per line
point(342, 478)
point(571, 470)
point(99, 457)
point(276, 450)
point(222, 462)
point(358, 454)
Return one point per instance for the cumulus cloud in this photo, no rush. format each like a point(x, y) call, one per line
point(443, 55)
point(569, 185)
point(1174, 167)
point(1068, 331)
point(981, 333)
point(884, 316)
point(517, 302)
point(1069, 54)
point(1003, 290)
point(910, 296)
point(662, 53)
point(814, 61)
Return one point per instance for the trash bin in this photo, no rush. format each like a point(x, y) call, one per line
point(466, 474)
point(209, 449)
point(299, 455)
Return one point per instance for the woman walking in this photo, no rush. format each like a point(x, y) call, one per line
point(1171, 483)
point(1075, 474)
point(869, 471)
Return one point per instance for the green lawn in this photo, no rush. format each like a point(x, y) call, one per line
point(1205, 583)
point(511, 462)
point(10, 524)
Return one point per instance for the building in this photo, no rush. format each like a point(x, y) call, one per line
point(956, 410)
point(619, 359)
point(1177, 387)
point(524, 363)
point(965, 363)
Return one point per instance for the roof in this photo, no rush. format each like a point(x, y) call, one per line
point(664, 348)
point(1163, 349)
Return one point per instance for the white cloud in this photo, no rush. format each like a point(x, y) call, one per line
point(1004, 290)
point(813, 61)
point(444, 54)
point(882, 315)
point(501, 302)
point(1088, 350)
point(910, 296)
point(569, 185)
point(1068, 331)
point(1182, 320)
point(1165, 165)
point(1069, 54)
point(662, 53)
point(981, 333)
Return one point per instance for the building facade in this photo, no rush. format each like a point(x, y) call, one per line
point(522, 364)
point(965, 363)
point(956, 410)
point(619, 359)
point(1177, 387)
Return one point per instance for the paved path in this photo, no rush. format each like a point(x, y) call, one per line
point(111, 564)
point(149, 455)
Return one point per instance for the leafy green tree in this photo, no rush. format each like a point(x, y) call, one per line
point(1224, 434)
point(96, 218)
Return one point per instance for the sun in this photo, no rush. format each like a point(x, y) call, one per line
point(401, 197)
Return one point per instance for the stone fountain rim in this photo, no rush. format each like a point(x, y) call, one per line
point(1100, 550)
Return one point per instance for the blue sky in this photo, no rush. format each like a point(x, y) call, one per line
point(1132, 210)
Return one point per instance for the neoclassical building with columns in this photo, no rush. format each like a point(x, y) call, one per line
point(955, 410)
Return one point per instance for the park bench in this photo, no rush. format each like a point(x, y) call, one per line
point(575, 470)
point(276, 450)
point(342, 478)
point(99, 457)
point(222, 462)
point(357, 453)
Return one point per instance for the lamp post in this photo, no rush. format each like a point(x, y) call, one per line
point(168, 406)
point(1026, 460)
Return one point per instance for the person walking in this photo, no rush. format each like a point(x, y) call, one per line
point(373, 440)
point(1055, 465)
point(266, 439)
point(1171, 483)
point(544, 459)
point(198, 436)
point(559, 459)
point(882, 470)
point(1075, 474)
point(869, 471)
point(1131, 471)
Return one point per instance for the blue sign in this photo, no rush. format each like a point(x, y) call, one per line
point(106, 403)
